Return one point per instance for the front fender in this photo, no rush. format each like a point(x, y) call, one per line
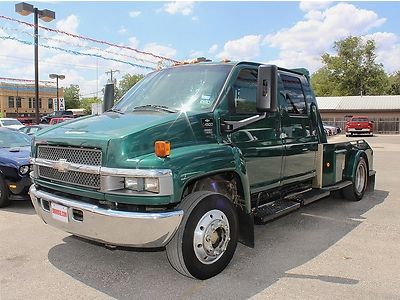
point(191, 162)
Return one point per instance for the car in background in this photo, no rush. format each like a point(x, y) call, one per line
point(359, 125)
point(57, 114)
point(10, 123)
point(15, 151)
point(32, 129)
point(55, 121)
point(330, 130)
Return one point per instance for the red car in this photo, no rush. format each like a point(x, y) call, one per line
point(54, 121)
point(359, 125)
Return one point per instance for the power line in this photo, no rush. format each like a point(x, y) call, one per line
point(24, 80)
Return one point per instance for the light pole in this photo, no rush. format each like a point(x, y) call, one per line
point(47, 16)
point(57, 77)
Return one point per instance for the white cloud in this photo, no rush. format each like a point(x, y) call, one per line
point(135, 13)
point(70, 24)
point(184, 8)
point(247, 47)
point(195, 54)
point(122, 30)
point(213, 49)
point(195, 18)
point(160, 50)
point(314, 5)
point(305, 42)
point(133, 42)
point(387, 49)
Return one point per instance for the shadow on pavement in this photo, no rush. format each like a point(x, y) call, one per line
point(20, 207)
point(281, 245)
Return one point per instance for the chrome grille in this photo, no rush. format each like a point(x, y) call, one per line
point(84, 156)
point(71, 177)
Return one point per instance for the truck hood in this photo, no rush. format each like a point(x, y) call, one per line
point(124, 137)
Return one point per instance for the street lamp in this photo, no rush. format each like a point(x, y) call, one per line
point(47, 16)
point(57, 76)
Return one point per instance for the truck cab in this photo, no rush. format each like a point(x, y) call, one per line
point(190, 158)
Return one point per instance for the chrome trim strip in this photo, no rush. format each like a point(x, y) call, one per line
point(135, 172)
point(105, 171)
point(123, 228)
point(70, 166)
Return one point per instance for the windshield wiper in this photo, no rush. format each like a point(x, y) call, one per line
point(154, 106)
point(115, 110)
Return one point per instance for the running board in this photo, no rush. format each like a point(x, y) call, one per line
point(275, 209)
point(309, 196)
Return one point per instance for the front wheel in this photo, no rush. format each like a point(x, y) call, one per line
point(356, 190)
point(206, 239)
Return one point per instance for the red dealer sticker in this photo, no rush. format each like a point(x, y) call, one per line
point(59, 212)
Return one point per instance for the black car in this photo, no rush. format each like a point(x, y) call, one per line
point(57, 114)
point(15, 150)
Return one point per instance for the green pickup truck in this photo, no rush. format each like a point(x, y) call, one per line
point(190, 159)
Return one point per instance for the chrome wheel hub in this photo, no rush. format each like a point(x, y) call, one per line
point(361, 177)
point(211, 236)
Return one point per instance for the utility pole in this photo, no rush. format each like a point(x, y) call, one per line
point(111, 72)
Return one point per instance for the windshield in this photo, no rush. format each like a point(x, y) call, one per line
point(185, 88)
point(10, 122)
point(359, 120)
point(10, 139)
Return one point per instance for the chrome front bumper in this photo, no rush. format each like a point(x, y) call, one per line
point(121, 228)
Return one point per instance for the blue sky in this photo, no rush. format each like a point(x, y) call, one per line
point(291, 34)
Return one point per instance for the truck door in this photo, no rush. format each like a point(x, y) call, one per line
point(299, 137)
point(259, 142)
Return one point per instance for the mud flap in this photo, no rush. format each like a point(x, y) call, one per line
point(371, 181)
point(246, 228)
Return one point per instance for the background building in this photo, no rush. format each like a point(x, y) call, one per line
point(383, 110)
point(18, 100)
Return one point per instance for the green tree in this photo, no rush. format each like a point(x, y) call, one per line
point(394, 84)
point(86, 103)
point(352, 71)
point(71, 96)
point(125, 84)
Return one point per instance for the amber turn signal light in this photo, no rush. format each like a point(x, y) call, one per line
point(162, 148)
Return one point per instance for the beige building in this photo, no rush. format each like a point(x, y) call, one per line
point(18, 100)
point(383, 110)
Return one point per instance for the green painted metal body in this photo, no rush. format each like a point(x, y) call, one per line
point(259, 155)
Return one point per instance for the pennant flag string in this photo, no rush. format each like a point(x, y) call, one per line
point(78, 53)
point(90, 39)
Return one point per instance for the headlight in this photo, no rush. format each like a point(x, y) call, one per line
point(151, 185)
point(134, 183)
point(142, 184)
point(23, 170)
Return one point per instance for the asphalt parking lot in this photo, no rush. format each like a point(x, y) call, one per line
point(331, 249)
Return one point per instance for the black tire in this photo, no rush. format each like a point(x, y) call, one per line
point(197, 207)
point(356, 190)
point(4, 200)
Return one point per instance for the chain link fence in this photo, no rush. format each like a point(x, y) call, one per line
point(381, 125)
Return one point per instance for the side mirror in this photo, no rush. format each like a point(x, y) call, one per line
point(267, 87)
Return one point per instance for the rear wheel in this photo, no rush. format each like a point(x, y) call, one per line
point(4, 200)
point(207, 236)
point(356, 190)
